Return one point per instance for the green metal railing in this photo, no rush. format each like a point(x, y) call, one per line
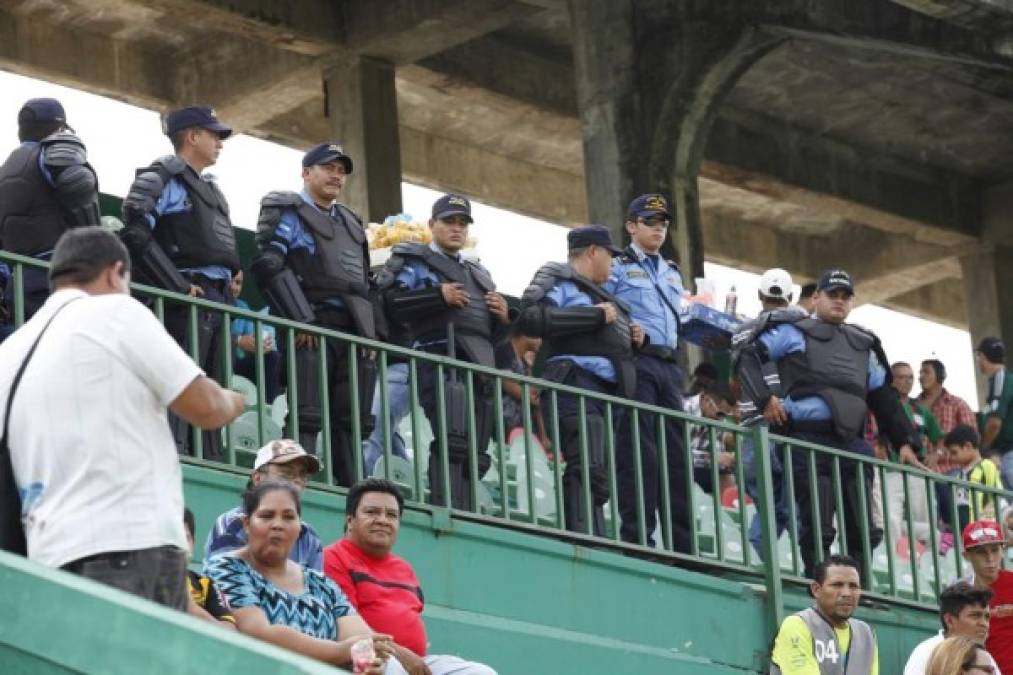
point(523, 488)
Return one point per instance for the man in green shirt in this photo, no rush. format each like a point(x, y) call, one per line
point(997, 433)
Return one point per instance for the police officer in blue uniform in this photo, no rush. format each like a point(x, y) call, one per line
point(589, 343)
point(313, 267)
point(652, 287)
point(831, 373)
point(429, 292)
point(46, 188)
point(178, 231)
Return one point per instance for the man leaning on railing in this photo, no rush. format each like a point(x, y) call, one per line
point(831, 373)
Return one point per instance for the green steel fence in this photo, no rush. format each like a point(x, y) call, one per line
point(523, 487)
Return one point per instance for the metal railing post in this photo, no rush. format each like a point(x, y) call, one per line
point(768, 529)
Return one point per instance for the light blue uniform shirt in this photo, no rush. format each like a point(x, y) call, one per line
point(242, 326)
point(567, 294)
point(295, 236)
point(416, 274)
point(636, 283)
point(786, 339)
point(175, 199)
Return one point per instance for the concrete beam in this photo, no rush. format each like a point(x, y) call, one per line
point(93, 62)
point(942, 301)
point(403, 31)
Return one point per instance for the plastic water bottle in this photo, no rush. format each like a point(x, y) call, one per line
point(731, 302)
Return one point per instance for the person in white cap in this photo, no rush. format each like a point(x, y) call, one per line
point(775, 289)
point(278, 460)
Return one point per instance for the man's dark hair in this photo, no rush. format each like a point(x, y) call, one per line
point(898, 364)
point(820, 572)
point(961, 434)
point(371, 485)
point(253, 496)
point(955, 598)
point(178, 138)
point(938, 367)
point(189, 522)
point(575, 253)
point(82, 253)
point(808, 290)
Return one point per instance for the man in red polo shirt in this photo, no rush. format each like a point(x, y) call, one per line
point(381, 586)
point(984, 545)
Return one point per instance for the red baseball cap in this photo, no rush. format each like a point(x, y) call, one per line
point(982, 532)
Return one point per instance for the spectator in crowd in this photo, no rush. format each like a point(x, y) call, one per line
point(713, 406)
point(312, 264)
point(963, 611)
point(957, 656)
point(984, 545)
point(705, 376)
point(831, 373)
point(962, 445)
point(383, 587)
point(997, 436)
point(244, 332)
point(283, 460)
point(518, 355)
point(47, 186)
point(589, 340)
point(807, 298)
point(178, 230)
point(928, 430)
point(280, 601)
point(949, 410)
point(206, 601)
point(431, 292)
point(107, 370)
point(651, 287)
point(826, 633)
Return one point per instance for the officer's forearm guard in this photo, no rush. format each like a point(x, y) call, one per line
point(151, 259)
point(542, 321)
point(281, 287)
point(749, 370)
point(408, 305)
point(885, 405)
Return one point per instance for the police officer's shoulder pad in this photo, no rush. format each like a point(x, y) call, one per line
point(859, 336)
point(785, 315)
point(409, 248)
point(281, 198)
point(63, 150)
point(172, 164)
point(557, 269)
point(62, 136)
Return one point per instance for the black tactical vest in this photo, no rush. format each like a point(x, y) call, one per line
point(473, 322)
point(203, 234)
point(834, 367)
point(340, 265)
point(31, 218)
point(611, 340)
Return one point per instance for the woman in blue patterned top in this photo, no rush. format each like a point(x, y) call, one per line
point(280, 601)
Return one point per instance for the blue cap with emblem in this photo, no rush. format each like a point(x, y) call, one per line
point(195, 116)
point(42, 110)
point(648, 205)
point(587, 235)
point(325, 153)
point(452, 205)
point(832, 279)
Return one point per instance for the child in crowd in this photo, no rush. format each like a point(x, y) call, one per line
point(714, 405)
point(962, 445)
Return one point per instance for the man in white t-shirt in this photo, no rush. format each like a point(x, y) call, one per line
point(93, 456)
point(963, 610)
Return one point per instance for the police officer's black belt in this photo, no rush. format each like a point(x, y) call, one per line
point(661, 352)
point(813, 426)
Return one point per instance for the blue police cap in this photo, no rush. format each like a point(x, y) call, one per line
point(195, 116)
point(452, 205)
point(648, 205)
point(585, 235)
point(832, 279)
point(325, 153)
point(42, 110)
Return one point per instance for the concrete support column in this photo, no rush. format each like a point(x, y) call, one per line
point(988, 297)
point(649, 86)
point(361, 106)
